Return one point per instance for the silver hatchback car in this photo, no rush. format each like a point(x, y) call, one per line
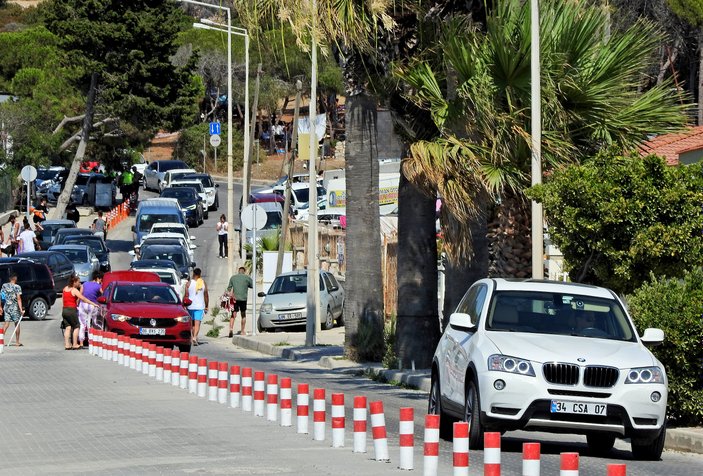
point(285, 304)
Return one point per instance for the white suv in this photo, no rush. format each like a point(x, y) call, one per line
point(550, 356)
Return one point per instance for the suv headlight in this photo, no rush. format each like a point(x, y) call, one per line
point(266, 308)
point(512, 365)
point(190, 207)
point(645, 375)
point(185, 318)
point(119, 317)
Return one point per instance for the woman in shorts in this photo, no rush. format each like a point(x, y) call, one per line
point(71, 296)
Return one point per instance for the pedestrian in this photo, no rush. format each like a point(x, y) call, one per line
point(196, 291)
point(136, 181)
point(239, 284)
point(12, 237)
point(28, 240)
point(12, 309)
point(222, 228)
point(340, 252)
point(99, 226)
point(71, 324)
point(72, 213)
point(87, 312)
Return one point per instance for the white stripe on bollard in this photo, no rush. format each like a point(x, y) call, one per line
point(286, 397)
point(235, 382)
point(272, 397)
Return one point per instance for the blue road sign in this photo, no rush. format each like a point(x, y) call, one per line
point(214, 128)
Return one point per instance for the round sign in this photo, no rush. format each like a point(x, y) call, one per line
point(253, 217)
point(215, 140)
point(28, 173)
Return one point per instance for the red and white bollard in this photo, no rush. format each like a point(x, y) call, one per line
point(168, 359)
point(107, 341)
point(337, 420)
point(259, 393)
point(235, 382)
point(272, 397)
point(183, 371)
point(406, 431)
point(569, 464)
point(318, 414)
point(137, 353)
point(120, 350)
point(222, 383)
point(491, 454)
point(286, 397)
point(90, 340)
point(175, 367)
point(115, 348)
point(2, 340)
point(159, 364)
point(145, 358)
point(378, 431)
point(212, 381)
point(359, 416)
point(127, 345)
point(617, 470)
point(431, 446)
point(303, 407)
point(96, 342)
point(133, 354)
point(152, 360)
point(193, 374)
point(247, 389)
point(202, 377)
point(461, 448)
point(530, 459)
point(100, 343)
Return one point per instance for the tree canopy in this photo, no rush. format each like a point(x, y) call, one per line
point(617, 218)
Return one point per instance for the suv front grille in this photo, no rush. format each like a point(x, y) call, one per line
point(562, 374)
point(600, 376)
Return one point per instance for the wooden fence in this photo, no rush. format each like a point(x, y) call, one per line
point(328, 237)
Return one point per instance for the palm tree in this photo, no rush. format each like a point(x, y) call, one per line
point(476, 86)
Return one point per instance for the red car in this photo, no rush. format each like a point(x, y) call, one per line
point(149, 311)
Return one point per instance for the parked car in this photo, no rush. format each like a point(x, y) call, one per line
point(166, 239)
point(81, 188)
point(155, 210)
point(178, 228)
point(129, 276)
point(189, 201)
point(550, 356)
point(174, 253)
point(285, 304)
point(45, 174)
point(83, 259)
point(150, 311)
point(97, 244)
point(173, 174)
point(274, 221)
point(38, 289)
point(63, 233)
point(199, 189)
point(46, 237)
point(57, 179)
point(210, 188)
point(170, 276)
point(60, 266)
point(155, 171)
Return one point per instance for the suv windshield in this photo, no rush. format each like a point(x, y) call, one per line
point(561, 314)
point(77, 256)
point(294, 283)
point(179, 193)
point(147, 220)
point(176, 257)
point(197, 186)
point(95, 244)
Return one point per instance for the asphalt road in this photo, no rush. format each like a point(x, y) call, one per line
point(394, 398)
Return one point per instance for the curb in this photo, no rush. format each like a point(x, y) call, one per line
point(688, 440)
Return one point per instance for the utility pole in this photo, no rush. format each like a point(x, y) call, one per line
point(537, 224)
point(247, 165)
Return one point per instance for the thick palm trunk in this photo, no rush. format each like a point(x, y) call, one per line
point(462, 274)
point(417, 325)
point(65, 196)
point(363, 308)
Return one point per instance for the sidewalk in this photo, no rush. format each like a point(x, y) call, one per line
point(329, 354)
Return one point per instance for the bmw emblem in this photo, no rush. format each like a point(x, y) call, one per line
point(580, 359)
point(152, 322)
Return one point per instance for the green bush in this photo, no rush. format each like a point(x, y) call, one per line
point(190, 145)
point(676, 306)
point(390, 358)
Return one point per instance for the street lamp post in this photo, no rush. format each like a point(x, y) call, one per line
point(230, 178)
point(230, 30)
point(537, 225)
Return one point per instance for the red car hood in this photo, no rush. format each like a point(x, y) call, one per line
point(141, 309)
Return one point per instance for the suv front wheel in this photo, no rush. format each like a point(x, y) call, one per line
point(472, 415)
point(38, 309)
point(651, 450)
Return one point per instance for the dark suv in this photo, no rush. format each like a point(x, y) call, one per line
point(38, 294)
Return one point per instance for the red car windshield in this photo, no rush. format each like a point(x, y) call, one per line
point(144, 293)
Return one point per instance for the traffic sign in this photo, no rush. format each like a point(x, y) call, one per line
point(214, 128)
point(254, 217)
point(215, 140)
point(28, 173)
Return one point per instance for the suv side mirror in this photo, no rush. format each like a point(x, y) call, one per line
point(653, 336)
point(462, 320)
